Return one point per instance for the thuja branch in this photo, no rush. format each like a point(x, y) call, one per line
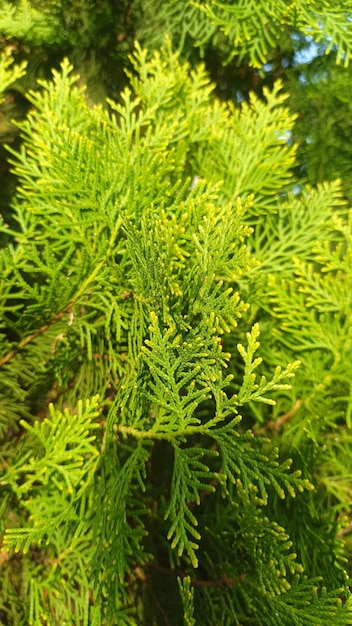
point(165, 435)
point(36, 334)
point(22, 344)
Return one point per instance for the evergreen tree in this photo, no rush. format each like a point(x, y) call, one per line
point(175, 362)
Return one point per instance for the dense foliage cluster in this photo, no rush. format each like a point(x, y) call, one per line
point(176, 316)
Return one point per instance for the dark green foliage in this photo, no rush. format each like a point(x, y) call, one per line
point(322, 95)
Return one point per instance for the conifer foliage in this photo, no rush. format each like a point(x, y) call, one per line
point(175, 365)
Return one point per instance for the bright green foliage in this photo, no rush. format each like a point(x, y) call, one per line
point(54, 23)
point(248, 28)
point(26, 21)
point(244, 27)
point(135, 271)
point(67, 459)
point(187, 598)
point(9, 73)
point(254, 29)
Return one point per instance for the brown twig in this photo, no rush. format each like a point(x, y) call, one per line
point(36, 334)
point(196, 582)
point(276, 424)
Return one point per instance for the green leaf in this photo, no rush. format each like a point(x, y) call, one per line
point(251, 390)
point(52, 476)
point(190, 477)
point(243, 461)
point(187, 593)
point(118, 527)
